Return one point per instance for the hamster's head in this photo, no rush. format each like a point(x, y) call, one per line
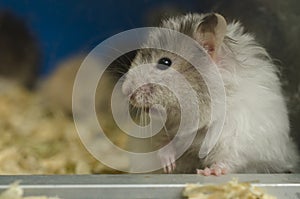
point(142, 84)
point(152, 71)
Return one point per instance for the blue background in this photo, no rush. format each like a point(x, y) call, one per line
point(67, 27)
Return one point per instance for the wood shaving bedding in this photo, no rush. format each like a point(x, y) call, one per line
point(37, 139)
point(16, 192)
point(230, 190)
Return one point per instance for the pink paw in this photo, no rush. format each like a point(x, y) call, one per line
point(215, 169)
point(167, 159)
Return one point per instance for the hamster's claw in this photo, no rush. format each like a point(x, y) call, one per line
point(215, 169)
point(167, 159)
point(169, 167)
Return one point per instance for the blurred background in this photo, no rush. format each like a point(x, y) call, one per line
point(42, 44)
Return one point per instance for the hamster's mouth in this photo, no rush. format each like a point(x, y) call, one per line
point(153, 110)
point(140, 101)
point(143, 108)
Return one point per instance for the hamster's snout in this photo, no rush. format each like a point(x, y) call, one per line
point(142, 96)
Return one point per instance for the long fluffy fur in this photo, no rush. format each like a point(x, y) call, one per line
point(256, 133)
point(255, 137)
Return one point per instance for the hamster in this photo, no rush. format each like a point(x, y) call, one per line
point(255, 137)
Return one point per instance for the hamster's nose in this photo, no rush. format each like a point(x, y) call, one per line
point(132, 96)
point(144, 90)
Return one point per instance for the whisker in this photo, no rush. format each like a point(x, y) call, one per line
point(164, 126)
point(137, 113)
point(143, 117)
point(151, 129)
point(114, 71)
point(140, 122)
point(122, 54)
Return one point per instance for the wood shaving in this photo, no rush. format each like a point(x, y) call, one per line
point(16, 192)
point(37, 139)
point(232, 189)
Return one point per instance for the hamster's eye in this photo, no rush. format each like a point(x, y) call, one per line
point(164, 63)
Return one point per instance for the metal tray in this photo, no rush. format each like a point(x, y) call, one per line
point(284, 186)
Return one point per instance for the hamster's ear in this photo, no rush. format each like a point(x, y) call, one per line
point(211, 32)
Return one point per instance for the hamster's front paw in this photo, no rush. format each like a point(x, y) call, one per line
point(167, 158)
point(216, 169)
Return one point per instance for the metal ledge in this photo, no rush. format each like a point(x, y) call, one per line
point(284, 186)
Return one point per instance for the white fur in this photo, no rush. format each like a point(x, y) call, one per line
point(255, 137)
